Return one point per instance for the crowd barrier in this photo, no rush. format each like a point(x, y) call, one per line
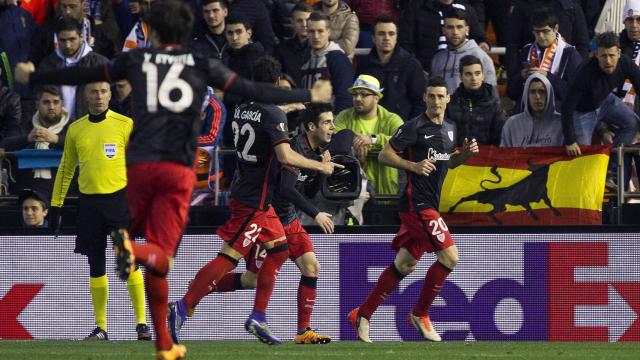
point(511, 284)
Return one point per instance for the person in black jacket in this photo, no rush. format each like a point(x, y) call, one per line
point(10, 113)
point(257, 14)
point(549, 55)
point(210, 40)
point(241, 53)
point(399, 72)
point(571, 24)
point(421, 27)
point(293, 53)
point(474, 108)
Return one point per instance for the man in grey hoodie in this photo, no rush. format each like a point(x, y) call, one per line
point(539, 124)
point(446, 61)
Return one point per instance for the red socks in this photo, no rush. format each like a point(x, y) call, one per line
point(387, 282)
point(306, 300)
point(157, 297)
point(267, 275)
point(207, 279)
point(152, 257)
point(436, 275)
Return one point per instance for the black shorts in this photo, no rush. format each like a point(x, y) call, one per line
point(97, 216)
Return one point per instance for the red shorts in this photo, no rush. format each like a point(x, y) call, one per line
point(159, 195)
point(299, 244)
point(248, 226)
point(422, 231)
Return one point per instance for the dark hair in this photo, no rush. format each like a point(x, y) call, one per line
point(383, 19)
point(266, 69)
point(607, 40)
point(469, 60)
point(302, 6)
point(67, 23)
point(437, 81)
point(455, 13)
point(235, 18)
point(49, 89)
point(316, 16)
point(223, 3)
point(172, 20)
point(544, 16)
point(312, 113)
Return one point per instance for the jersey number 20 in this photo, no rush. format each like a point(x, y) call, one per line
point(171, 82)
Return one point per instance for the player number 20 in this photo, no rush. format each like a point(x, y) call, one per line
point(246, 128)
point(171, 82)
point(438, 226)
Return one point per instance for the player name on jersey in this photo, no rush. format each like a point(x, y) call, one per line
point(249, 114)
point(169, 59)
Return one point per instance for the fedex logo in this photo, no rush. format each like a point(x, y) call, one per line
point(557, 302)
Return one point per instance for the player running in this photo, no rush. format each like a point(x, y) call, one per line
point(427, 146)
point(168, 84)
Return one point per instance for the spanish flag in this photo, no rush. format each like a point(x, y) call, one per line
point(533, 186)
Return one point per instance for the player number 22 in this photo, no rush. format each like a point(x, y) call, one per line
point(246, 128)
point(171, 82)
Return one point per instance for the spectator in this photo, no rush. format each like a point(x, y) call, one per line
point(327, 62)
point(294, 52)
point(539, 124)
point(373, 126)
point(10, 113)
point(344, 25)
point(399, 72)
point(257, 15)
point(421, 25)
point(281, 11)
point(17, 30)
point(138, 37)
point(630, 44)
point(72, 50)
point(445, 63)
point(35, 207)
point(549, 55)
point(121, 103)
point(46, 130)
point(571, 24)
point(45, 40)
point(474, 108)
point(368, 11)
point(590, 98)
point(241, 53)
point(211, 41)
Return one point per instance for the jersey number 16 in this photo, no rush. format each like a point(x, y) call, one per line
point(171, 82)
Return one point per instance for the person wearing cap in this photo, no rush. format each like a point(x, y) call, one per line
point(373, 126)
point(35, 207)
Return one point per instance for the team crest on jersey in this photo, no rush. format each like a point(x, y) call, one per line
point(450, 133)
point(110, 150)
point(283, 127)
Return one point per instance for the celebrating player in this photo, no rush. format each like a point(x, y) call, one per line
point(260, 136)
point(427, 144)
point(168, 87)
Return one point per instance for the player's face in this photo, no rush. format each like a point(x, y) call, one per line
point(71, 8)
point(545, 35)
point(385, 37)
point(318, 34)
point(608, 59)
point(98, 96)
point(632, 25)
point(214, 14)
point(324, 131)
point(49, 108)
point(364, 101)
point(455, 31)
point(237, 35)
point(33, 212)
point(299, 20)
point(436, 98)
point(69, 42)
point(537, 96)
point(472, 77)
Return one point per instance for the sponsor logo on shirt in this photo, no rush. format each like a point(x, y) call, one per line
point(433, 154)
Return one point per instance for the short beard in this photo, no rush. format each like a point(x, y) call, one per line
point(46, 121)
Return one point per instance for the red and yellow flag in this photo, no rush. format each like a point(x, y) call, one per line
point(534, 186)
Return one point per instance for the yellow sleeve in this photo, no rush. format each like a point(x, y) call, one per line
point(66, 170)
point(392, 124)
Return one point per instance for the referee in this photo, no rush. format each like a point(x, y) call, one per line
point(97, 142)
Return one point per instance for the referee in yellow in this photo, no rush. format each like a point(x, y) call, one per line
point(97, 142)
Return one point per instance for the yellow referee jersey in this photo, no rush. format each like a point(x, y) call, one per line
point(98, 147)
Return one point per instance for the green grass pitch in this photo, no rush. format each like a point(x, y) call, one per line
point(237, 350)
